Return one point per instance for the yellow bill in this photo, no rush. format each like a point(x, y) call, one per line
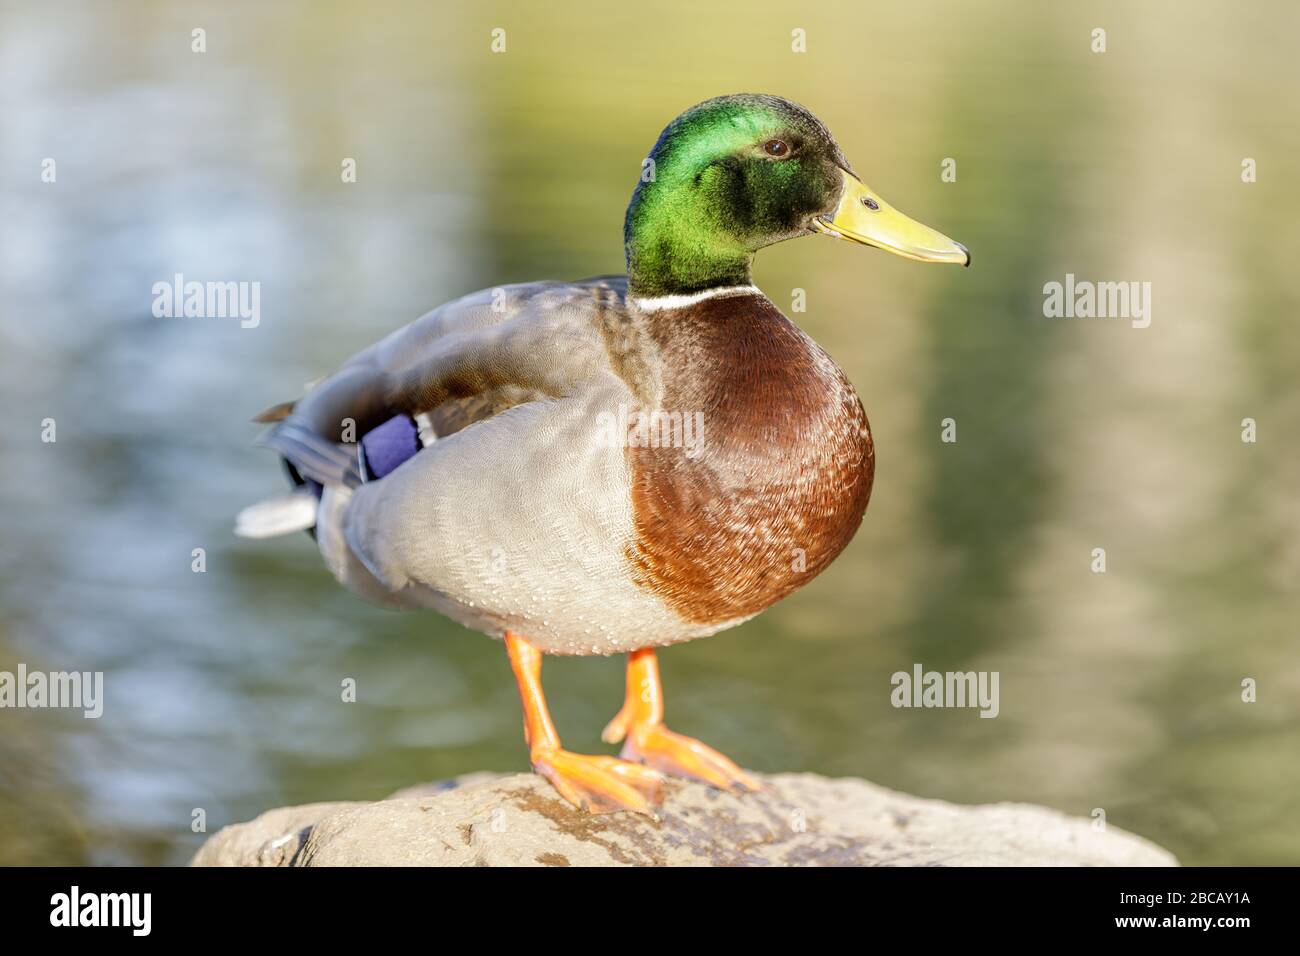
point(864, 217)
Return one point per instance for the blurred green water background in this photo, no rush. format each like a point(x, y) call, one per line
point(1119, 691)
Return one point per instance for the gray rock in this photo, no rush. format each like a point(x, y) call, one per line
point(799, 820)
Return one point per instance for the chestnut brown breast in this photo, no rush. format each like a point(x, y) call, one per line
point(776, 485)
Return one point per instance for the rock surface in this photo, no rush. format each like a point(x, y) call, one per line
point(799, 820)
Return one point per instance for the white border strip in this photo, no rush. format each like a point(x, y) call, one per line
point(680, 301)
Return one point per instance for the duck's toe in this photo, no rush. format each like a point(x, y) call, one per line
point(601, 784)
point(658, 747)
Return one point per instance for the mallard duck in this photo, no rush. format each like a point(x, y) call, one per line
point(618, 464)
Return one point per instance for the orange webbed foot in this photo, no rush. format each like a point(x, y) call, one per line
point(600, 784)
point(672, 753)
point(649, 742)
point(597, 784)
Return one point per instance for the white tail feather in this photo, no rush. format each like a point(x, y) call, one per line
point(281, 515)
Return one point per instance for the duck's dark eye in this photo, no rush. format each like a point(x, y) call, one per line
point(870, 203)
point(776, 147)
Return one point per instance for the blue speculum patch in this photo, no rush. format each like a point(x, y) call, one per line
point(386, 446)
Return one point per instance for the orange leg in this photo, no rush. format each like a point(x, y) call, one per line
point(597, 784)
point(641, 721)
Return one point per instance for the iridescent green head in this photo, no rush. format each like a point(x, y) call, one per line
point(735, 174)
